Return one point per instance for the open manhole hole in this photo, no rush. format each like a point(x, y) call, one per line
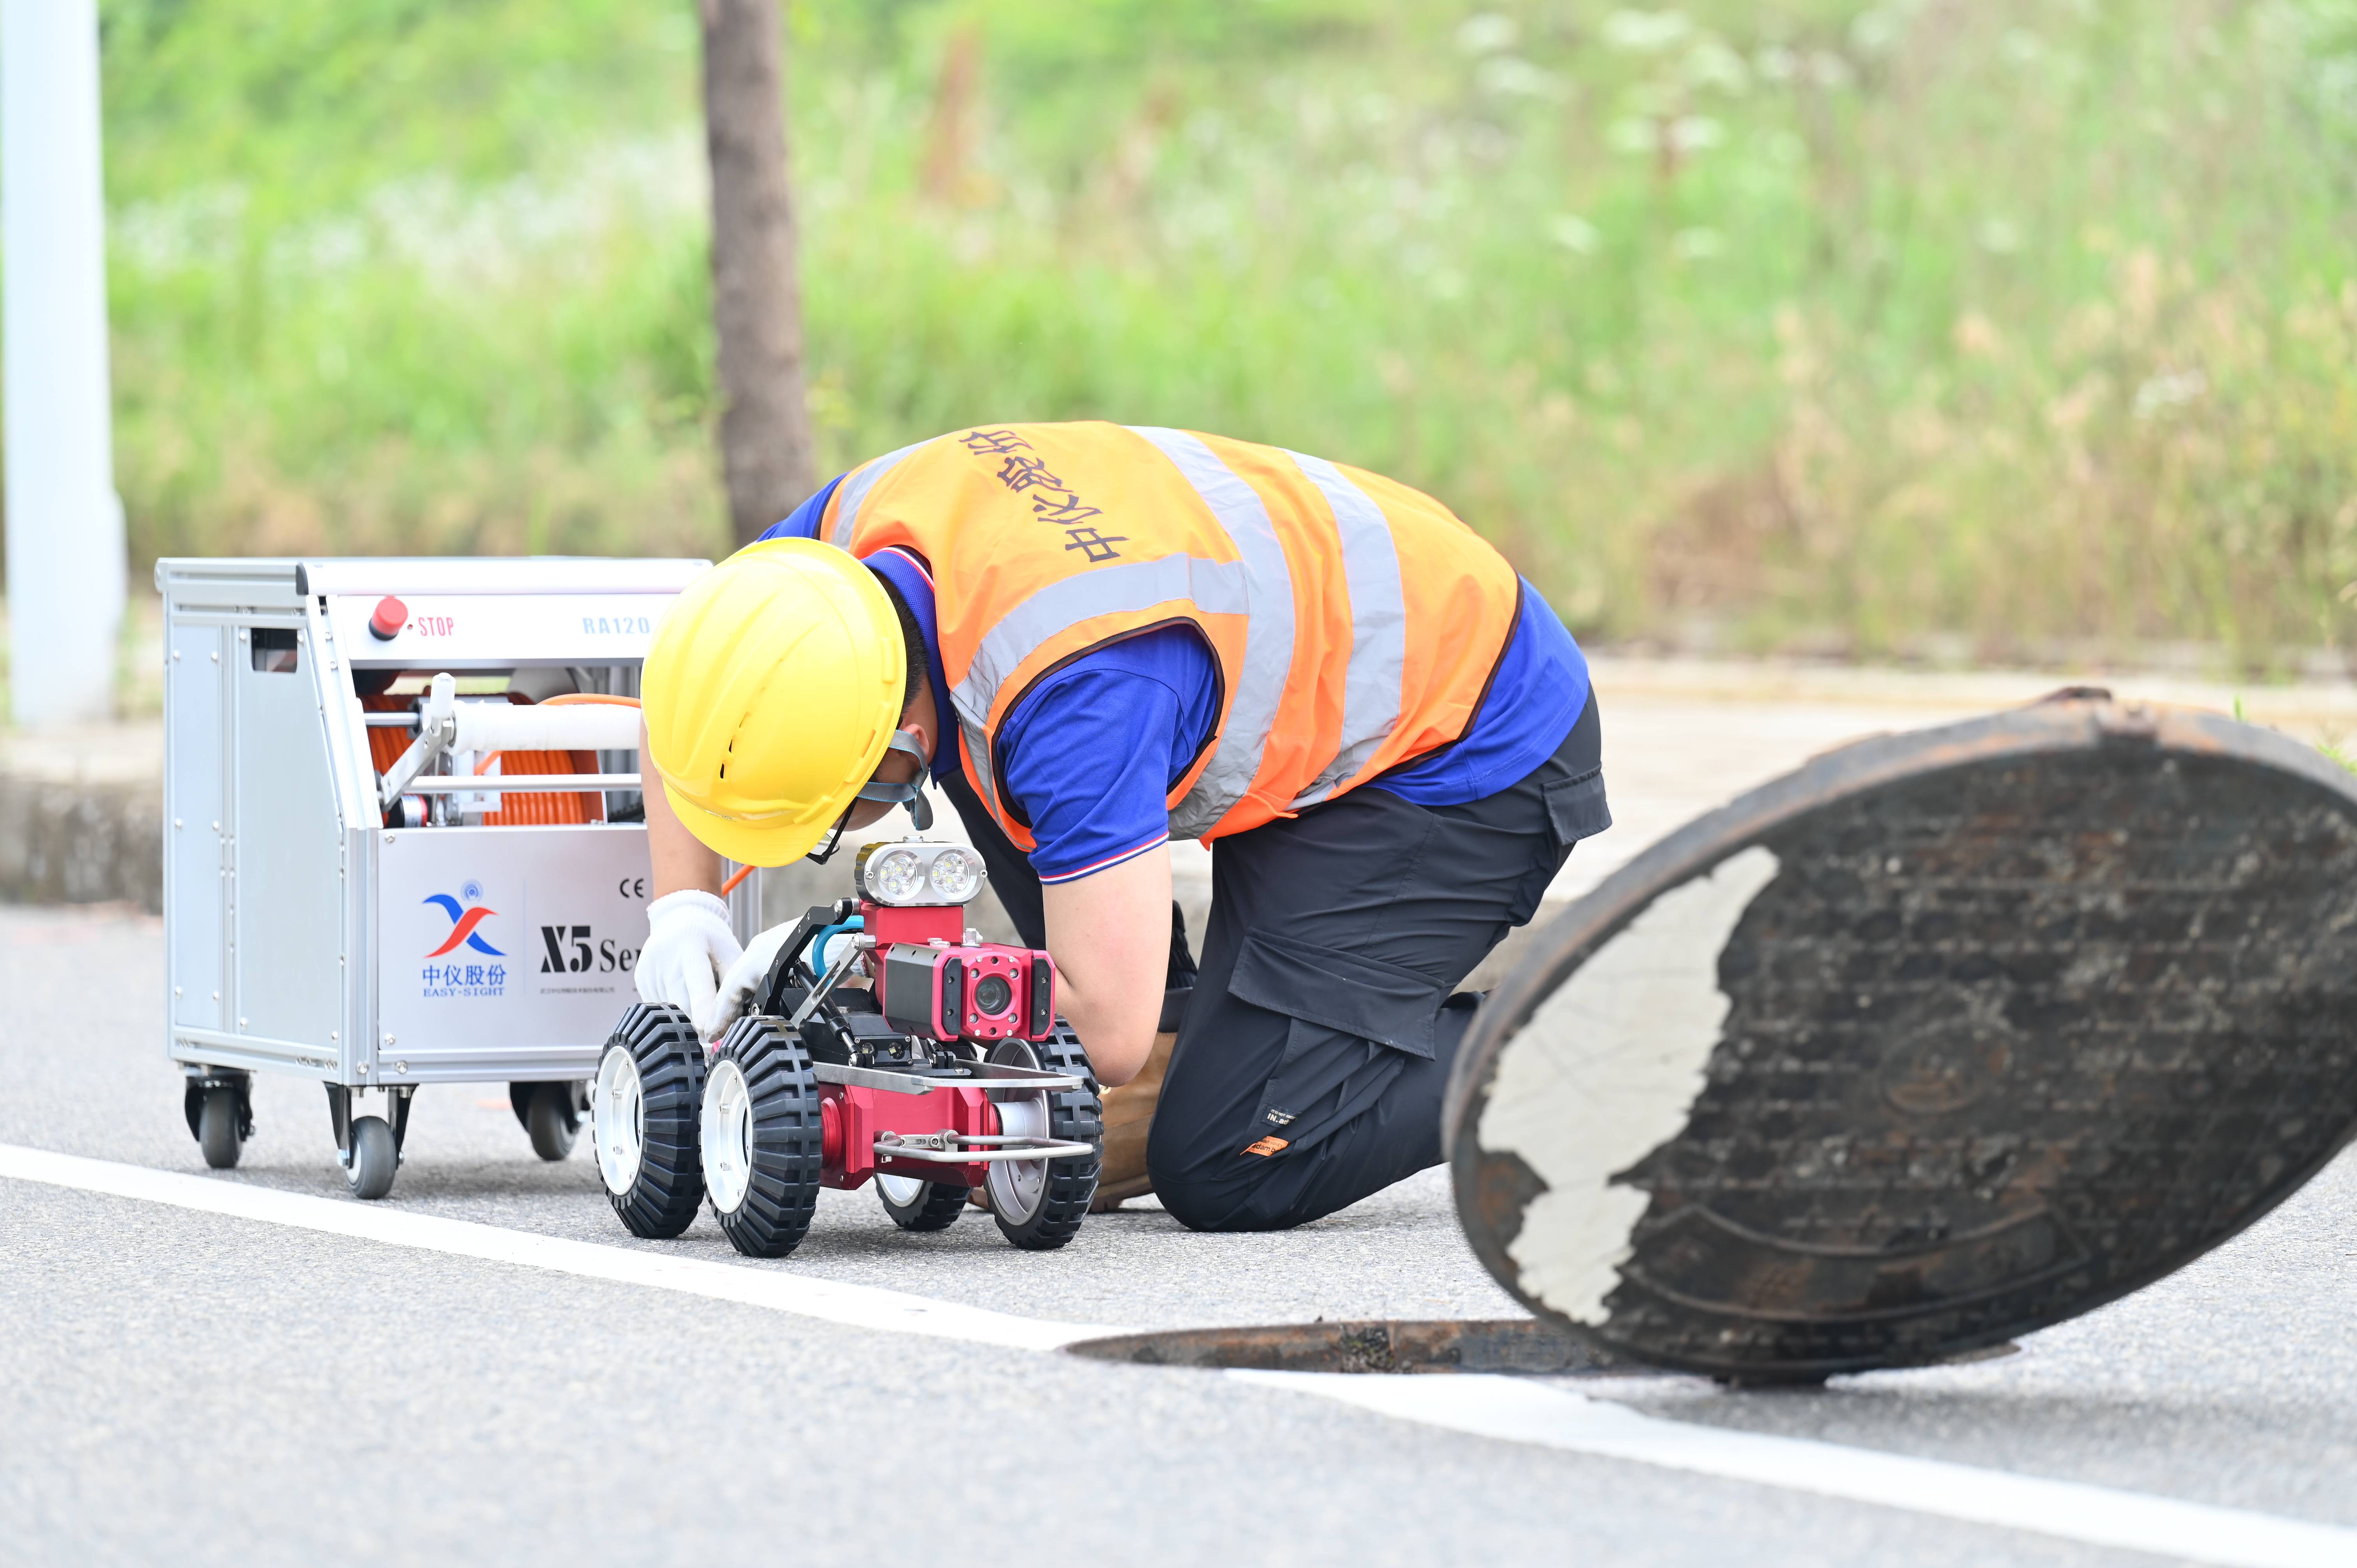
point(1495, 1345)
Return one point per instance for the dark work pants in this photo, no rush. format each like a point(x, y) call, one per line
point(1312, 1059)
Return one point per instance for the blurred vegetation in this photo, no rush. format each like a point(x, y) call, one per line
point(1936, 329)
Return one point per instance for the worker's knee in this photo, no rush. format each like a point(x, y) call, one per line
point(1182, 1190)
point(1251, 1197)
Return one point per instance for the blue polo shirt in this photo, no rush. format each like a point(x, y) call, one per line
point(1090, 753)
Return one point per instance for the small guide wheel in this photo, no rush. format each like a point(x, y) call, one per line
point(219, 1105)
point(917, 1205)
point(552, 1120)
point(1039, 1204)
point(762, 1140)
point(370, 1166)
point(219, 1130)
point(642, 1120)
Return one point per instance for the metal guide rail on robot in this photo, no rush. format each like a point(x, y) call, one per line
point(405, 843)
point(887, 1042)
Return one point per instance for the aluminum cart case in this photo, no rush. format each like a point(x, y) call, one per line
point(315, 929)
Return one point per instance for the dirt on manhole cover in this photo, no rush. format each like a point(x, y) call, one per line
point(1508, 1345)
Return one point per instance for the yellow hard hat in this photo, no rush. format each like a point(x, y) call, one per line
point(771, 691)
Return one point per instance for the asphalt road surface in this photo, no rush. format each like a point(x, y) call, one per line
point(189, 1386)
point(250, 1367)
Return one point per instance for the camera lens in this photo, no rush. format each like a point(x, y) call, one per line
point(992, 994)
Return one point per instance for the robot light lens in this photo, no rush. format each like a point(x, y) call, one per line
point(956, 876)
point(897, 876)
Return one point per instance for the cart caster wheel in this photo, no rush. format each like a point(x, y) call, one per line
point(552, 1120)
point(921, 1205)
point(761, 1133)
point(373, 1159)
point(1039, 1204)
point(642, 1120)
point(219, 1129)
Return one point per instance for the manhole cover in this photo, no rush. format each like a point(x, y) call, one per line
point(1947, 1036)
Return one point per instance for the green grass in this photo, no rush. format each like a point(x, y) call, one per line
point(1915, 329)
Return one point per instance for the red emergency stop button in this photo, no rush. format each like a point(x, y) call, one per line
point(391, 615)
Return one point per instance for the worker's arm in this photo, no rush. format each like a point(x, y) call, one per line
point(689, 945)
point(681, 864)
point(1090, 757)
point(1110, 936)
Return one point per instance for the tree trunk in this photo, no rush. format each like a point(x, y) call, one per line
point(756, 304)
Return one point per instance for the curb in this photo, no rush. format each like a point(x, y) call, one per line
point(81, 841)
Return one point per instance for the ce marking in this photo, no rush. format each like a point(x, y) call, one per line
point(631, 887)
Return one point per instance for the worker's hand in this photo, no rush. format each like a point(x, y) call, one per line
point(689, 946)
point(744, 978)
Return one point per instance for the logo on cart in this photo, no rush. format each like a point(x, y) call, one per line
point(446, 976)
point(463, 921)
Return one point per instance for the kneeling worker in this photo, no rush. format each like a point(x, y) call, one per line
point(1096, 639)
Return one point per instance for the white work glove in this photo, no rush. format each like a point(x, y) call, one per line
point(689, 946)
point(743, 978)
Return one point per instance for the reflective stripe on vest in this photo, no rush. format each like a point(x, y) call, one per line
point(855, 492)
point(1048, 540)
point(1236, 751)
point(1371, 568)
point(1215, 586)
point(979, 769)
point(1218, 587)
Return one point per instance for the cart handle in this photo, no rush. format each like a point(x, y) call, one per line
point(502, 784)
point(562, 700)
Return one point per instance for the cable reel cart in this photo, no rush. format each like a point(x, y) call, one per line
point(404, 842)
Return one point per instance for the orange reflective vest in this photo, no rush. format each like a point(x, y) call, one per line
point(1355, 622)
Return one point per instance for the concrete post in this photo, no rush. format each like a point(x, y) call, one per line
point(65, 564)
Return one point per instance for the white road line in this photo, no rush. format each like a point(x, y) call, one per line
point(1513, 1409)
point(861, 1306)
point(1521, 1410)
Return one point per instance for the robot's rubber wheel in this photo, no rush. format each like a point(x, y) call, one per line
point(552, 1120)
point(921, 1205)
point(762, 1137)
point(1039, 1204)
point(219, 1130)
point(374, 1159)
point(642, 1120)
